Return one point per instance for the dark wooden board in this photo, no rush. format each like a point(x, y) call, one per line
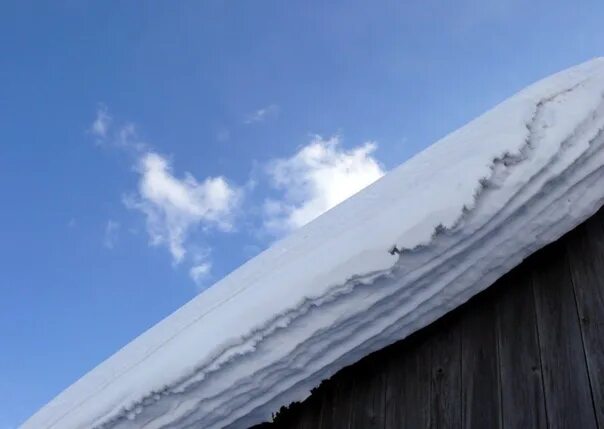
point(480, 395)
point(408, 387)
point(566, 384)
point(522, 398)
point(586, 258)
point(368, 396)
point(336, 410)
point(445, 382)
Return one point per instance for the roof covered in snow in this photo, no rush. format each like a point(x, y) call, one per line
point(461, 214)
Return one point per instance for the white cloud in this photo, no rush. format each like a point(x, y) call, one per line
point(102, 122)
point(200, 272)
point(111, 232)
point(262, 114)
point(122, 136)
point(175, 207)
point(318, 177)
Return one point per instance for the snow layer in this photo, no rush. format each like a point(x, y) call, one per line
point(463, 212)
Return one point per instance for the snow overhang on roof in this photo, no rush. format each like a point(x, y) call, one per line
point(462, 213)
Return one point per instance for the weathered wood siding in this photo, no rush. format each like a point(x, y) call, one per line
point(526, 353)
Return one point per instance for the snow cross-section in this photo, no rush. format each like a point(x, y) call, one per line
point(459, 215)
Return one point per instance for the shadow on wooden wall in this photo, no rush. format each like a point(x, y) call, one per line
point(526, 353)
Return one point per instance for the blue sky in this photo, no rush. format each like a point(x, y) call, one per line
point(146, 150)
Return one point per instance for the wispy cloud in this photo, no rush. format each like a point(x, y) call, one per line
point(262, 114)
point(102, 122)
point(200, 272)
point(174, 207)
point(110, 237)
point(122, 136)
point(316, 178)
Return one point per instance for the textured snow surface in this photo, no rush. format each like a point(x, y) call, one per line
point(463, 212)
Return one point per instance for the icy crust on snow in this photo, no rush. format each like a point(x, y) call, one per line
point(463, 212)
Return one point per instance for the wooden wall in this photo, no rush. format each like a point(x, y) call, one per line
point(526, 353)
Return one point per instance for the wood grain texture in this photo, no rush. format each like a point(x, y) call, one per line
point(445, 381)
point(408, 387)
point(526, 353)
point(588, 282)
point(337, 406)
point(566, 383)
point(480, 394)
point(368, 396)
point(522, 398)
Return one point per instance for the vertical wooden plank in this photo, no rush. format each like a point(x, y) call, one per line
point(337, 403)
point(416, 394)
point(586, 257)
point(408, 385)
point(327, 404)
point(309, 419)
point(566, 386)
point(367, 410)
point(394, 385)
point(445, 383)
point(480, 369)
point(522, 398)
point(305, 415)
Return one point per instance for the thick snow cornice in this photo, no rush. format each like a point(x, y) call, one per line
point(462, 213)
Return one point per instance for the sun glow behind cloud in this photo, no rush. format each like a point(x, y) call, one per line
point(319, 176)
